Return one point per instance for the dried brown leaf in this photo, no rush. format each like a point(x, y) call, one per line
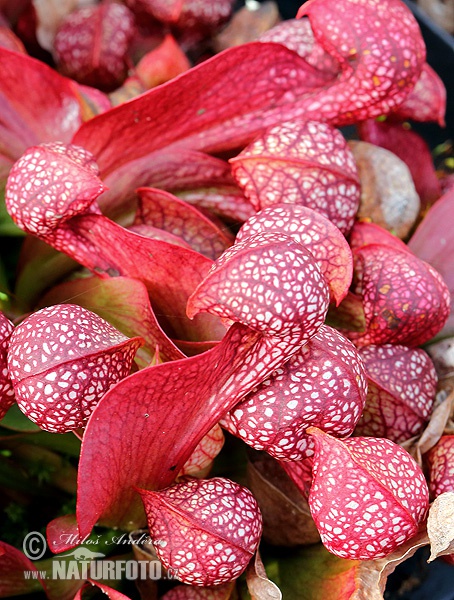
point(435, 429)
point(259, 586)
point(142, 545)
point(442, 355)
point(440, 526)
point(373, 574)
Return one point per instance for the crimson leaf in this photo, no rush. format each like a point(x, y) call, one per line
point(6, 387)
point(405, 300)
point(401, 391)
point(125, 304)
point(62, 360)
point(51, 193)
point(191, 537)
point(380, 51)
point(165, 211)
point(171, 406)
point(323, 239)
point(92, 42)
point(368, 495)
point(307, 163)
point(50, 112)
point(433, 241)
point(380, 64)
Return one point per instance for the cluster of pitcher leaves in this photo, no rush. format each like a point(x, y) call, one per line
point(213, 255)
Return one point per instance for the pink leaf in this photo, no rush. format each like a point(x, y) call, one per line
point(13, 563)
point(322, 385)
point(402, 383)
point(225, 201)
point(171, 406)
point(162, 63)
point(188, 172)
point(433, 241)
point(277, 83)
point(51, 193)
point(367, 497)
point(246, 284)
point(111, 593)
point(192, 538)
point(297, 35)
point(215, 118)
point(426, 101)
point(405, 300)
point(6, 387)
point(91, 44)
point(210, 117)
point(307, 163)
point(9, 40)
point(409, 147)
point(188, 13)
point(317, 234)
point(207, 449)
point(440, 462)
point(51, 112)
point(63, 534)
point(112, 250)
point(50, 184)
point(300, 472)
point(165, 211)
point(380, 50)
point(158, 234)
point(364, 233)
point(125, 304)
point(62, 360)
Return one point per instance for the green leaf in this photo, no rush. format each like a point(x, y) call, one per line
point(17, 421)
point(16, 430)
point(12, 478)
point(66, 443)
point(42, 268)
point(312, 573)
point(7, 225)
